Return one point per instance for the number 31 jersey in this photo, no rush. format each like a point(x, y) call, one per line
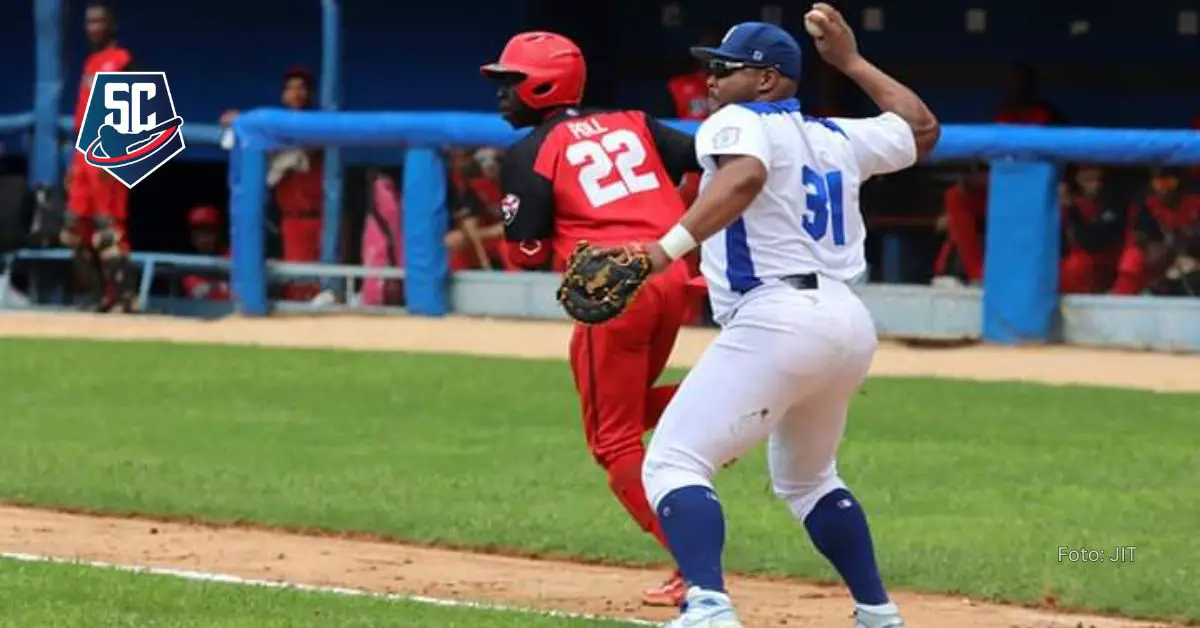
point(603, 176)
point(807, 217)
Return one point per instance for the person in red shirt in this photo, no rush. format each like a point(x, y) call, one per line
point(689, 95)
point(97, 203)
point(1093, 234)
point(965, 207)
point(295, 177)
point(689, 88)
point(1193, 172)
point(601, 176)
point(1022, 102)
point(1162, 247)
point(205, 224)
point(476, 240)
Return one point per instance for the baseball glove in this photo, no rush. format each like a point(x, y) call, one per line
point(599, 284)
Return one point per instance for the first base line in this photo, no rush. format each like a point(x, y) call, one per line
point(201, 576)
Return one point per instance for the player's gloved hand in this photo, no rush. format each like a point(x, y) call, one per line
point(599, 284)
point(835, 43)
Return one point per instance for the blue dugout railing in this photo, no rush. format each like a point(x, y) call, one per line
point(1021, 271)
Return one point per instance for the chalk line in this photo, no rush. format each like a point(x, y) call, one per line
point(201, 576)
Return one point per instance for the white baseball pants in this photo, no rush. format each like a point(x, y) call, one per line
point(783, 368)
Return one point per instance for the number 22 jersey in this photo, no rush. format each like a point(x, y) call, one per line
point(603, 176)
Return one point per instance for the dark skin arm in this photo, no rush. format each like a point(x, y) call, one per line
point(838, 48)
point(738, 180)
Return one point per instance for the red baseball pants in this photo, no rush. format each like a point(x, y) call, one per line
point(92, 193)
point(301, 237)
point(616, 366)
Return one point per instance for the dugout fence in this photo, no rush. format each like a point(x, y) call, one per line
point(1019, 302)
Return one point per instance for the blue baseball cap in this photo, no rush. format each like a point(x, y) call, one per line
point(759, 44)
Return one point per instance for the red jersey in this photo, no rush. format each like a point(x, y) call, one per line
point(207, 287)
point(966, 217)
point(111, 59)
point(1036, 113)
point(300, 193)
point(476, 194)
point(602, 176)
point(1175, 212)
point(689, 92)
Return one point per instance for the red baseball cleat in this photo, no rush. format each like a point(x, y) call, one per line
point(670, 593)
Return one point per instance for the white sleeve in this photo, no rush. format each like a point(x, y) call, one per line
point(732, 130)
point(880, 145)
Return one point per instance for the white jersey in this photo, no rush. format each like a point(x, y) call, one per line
point(807, 218)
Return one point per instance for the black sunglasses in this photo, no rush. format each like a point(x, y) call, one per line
point(721, 68)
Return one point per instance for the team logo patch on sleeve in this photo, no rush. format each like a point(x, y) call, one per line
point(726, 137)
point(509, 206)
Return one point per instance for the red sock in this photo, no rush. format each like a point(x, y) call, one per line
point(625, 480)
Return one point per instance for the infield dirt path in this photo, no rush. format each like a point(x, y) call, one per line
point(571, 587)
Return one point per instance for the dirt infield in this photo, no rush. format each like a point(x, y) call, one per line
point(393, 568)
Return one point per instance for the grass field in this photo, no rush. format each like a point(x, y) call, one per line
point(972, 487)
point(66, 596)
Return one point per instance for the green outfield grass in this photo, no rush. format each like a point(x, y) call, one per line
point(972, 487)
point(67, 596)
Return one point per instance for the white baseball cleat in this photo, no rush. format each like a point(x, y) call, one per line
point(867, 619)
point(706, 609)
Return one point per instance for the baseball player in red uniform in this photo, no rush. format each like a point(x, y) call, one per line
point(96, 201)
point(604, 177)
point(204, 223)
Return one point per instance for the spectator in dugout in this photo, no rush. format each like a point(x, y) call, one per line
point(964, 220)
point(1094, 225)
point(688, 87)
point(97, 203)
point(1023, 103)
point(475, 239)
point(1093, 231)
point(1162, 248)
point(1194, 171)
point(294, 176)
point(204, 225)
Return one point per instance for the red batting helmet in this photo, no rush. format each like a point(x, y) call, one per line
point(203, 216)
point(551, 65)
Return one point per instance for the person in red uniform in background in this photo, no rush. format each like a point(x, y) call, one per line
point(97, 203)
point(476, 240)
point(965, 207)
point(689, 95)
point(605, 177)
point(205, 224)
point(1193, 172)
point(1162, 248)
point(1022, 102)
point(1093, 234)
point(294, 175)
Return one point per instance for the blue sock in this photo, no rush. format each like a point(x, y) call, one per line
point(694, 525)
point(838, 528)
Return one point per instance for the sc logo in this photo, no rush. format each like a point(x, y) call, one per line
point(130, 127)
point(124, 102)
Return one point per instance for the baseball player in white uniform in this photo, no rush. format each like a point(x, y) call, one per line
point(782, 235)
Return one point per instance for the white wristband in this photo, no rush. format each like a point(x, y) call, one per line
point(678, 242)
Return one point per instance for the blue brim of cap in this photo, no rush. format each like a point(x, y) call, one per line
point(704, 54)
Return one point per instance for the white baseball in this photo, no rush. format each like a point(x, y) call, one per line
point(812, 27)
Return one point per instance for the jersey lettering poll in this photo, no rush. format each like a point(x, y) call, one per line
point(600, 176)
